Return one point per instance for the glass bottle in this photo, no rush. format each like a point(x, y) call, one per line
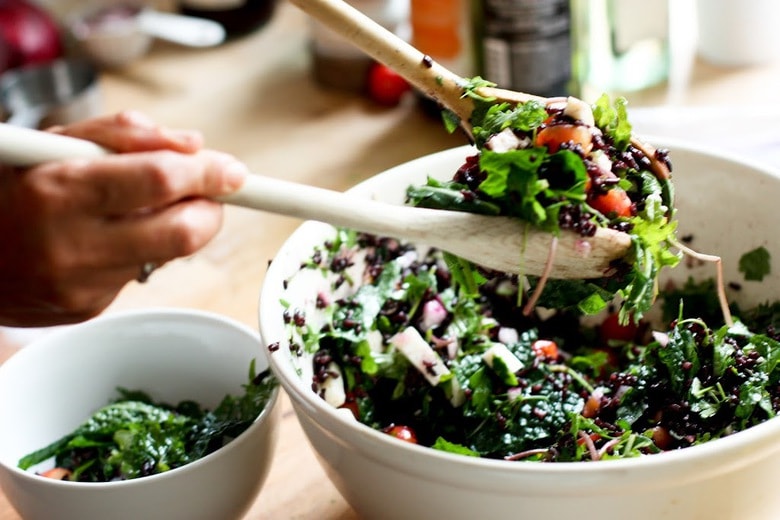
point(619, 46)
point(526, 45)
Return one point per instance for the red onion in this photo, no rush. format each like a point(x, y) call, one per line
point(433, 314)
point(28, 35)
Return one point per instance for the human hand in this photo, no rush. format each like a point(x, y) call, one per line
point(76, 231)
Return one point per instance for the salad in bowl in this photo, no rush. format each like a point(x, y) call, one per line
point(646, 388)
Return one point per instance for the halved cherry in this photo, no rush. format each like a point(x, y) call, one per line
point(404, 433)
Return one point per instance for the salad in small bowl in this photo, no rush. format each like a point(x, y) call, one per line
point(69, 449)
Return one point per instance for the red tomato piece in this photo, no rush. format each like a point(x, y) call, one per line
point(612, 330)
point(385, 86)
point(57, 474)
point(554, 136)
point(614, 202)
point(545, 348)
point(662, 438)
point(592, 436)
point(404, 433)
point(592, 407)
point(352, 406)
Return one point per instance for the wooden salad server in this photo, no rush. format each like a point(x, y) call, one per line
point(420, 70)
point(499, 243)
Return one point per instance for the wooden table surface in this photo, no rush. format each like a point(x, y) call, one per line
point(254, 97)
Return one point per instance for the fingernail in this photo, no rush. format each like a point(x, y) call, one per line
point(234, 175)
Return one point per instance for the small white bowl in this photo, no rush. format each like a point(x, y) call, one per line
point(729, 207)
point(55, 383)
point(109, 36)
point(116, 35)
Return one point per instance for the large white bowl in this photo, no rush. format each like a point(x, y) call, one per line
point(55, 383)
point(727, 207)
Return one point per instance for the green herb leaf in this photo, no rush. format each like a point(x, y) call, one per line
point(443, 444)
point(755, 264)
point(613, 120)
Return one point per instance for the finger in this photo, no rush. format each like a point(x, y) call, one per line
point(131, 131)
point(117, 185)
point(176, 231)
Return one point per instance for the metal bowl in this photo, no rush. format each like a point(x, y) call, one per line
point(59, 92)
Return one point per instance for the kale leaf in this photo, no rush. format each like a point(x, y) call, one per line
point(134, 436)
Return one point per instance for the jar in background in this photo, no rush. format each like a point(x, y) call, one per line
point(238, 17)
point(336, 62)
point(526, 45)
point(619, 46)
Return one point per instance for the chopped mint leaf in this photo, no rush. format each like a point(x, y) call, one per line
point(443, 444)
point(755, 264)
point(613, 120)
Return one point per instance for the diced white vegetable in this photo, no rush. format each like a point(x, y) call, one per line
point(375, 341)
point(332, 389)
point(580, 110)
point(420, 354)
point(433, 314)
point(346, 413)
point(452, 348)
point(456, 394)
point(504, 141)
point(413, 346)
point(407, 258)
point(500, 351)
point(503, 362)
point(507, 335)
point(602, 160)
point(514, 393)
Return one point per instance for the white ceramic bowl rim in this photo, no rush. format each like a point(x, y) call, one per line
point(707, 456)
point(130, 315)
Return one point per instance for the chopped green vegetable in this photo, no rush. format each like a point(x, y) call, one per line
point(560, 181)
point(134, 436)
point(755, 264)
point(688, 383)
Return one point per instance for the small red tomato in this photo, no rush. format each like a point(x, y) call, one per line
point(352, 406)
point(592, 406)
point(544, 348)
point(403, 433)
point(662, 437)
point(614, 202)
point(594, 437)
point(612, 330)
point(57, 473)
point(385, 86)
point(554, 136)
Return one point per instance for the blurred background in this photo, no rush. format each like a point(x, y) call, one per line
point(292, 100)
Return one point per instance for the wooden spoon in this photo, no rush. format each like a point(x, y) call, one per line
point(499, 243)
point(423, 72)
